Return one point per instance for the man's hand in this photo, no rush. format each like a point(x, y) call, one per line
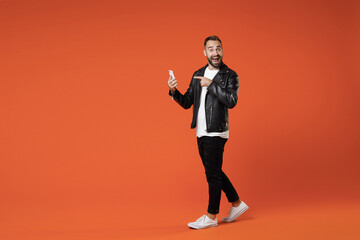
point(172, 84)
point(204, 82)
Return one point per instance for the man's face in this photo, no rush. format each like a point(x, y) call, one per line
point(214, 53)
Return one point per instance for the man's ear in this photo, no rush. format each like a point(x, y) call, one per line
point(204, 53)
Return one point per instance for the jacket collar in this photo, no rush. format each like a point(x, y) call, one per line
point(223, 69)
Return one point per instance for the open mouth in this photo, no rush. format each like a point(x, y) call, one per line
point(216, 59)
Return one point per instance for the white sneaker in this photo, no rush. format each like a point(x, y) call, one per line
point(203, 222)
point(235, 212)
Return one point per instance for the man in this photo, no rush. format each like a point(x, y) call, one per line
point(213, 90)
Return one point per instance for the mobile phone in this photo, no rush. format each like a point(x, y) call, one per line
point(171, 73)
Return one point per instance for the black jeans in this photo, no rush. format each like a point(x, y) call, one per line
point(211, 151)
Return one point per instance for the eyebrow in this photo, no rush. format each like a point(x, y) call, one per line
point(214, 47)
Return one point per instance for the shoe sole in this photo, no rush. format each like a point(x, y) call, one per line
point(236, 215)
point(195, 227)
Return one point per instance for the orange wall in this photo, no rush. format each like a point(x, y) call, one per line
point(85, 115)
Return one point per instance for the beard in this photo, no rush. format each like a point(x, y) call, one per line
point(215, 61)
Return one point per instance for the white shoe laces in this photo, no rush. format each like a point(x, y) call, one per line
point(201, 219)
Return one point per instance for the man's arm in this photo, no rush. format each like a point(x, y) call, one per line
point(186, 100)
point(227, 95)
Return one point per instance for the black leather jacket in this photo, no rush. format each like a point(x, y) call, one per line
point(222, 94)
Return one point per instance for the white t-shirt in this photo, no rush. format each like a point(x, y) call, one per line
point(201, 120)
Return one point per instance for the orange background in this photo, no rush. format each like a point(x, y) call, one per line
point(90, 139)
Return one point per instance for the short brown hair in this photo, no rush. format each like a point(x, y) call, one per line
point(213, 38)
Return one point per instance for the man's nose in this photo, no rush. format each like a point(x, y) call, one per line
point(216, 52)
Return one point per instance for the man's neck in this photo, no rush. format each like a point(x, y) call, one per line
point(211, 67)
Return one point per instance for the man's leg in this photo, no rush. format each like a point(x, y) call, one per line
point(229, 190)
point(238, 207)
point(211, 151)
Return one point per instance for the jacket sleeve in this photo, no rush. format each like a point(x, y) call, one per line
point(186, 100)
point(227, 95)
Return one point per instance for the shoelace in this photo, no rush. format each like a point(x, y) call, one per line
point(201, 219)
